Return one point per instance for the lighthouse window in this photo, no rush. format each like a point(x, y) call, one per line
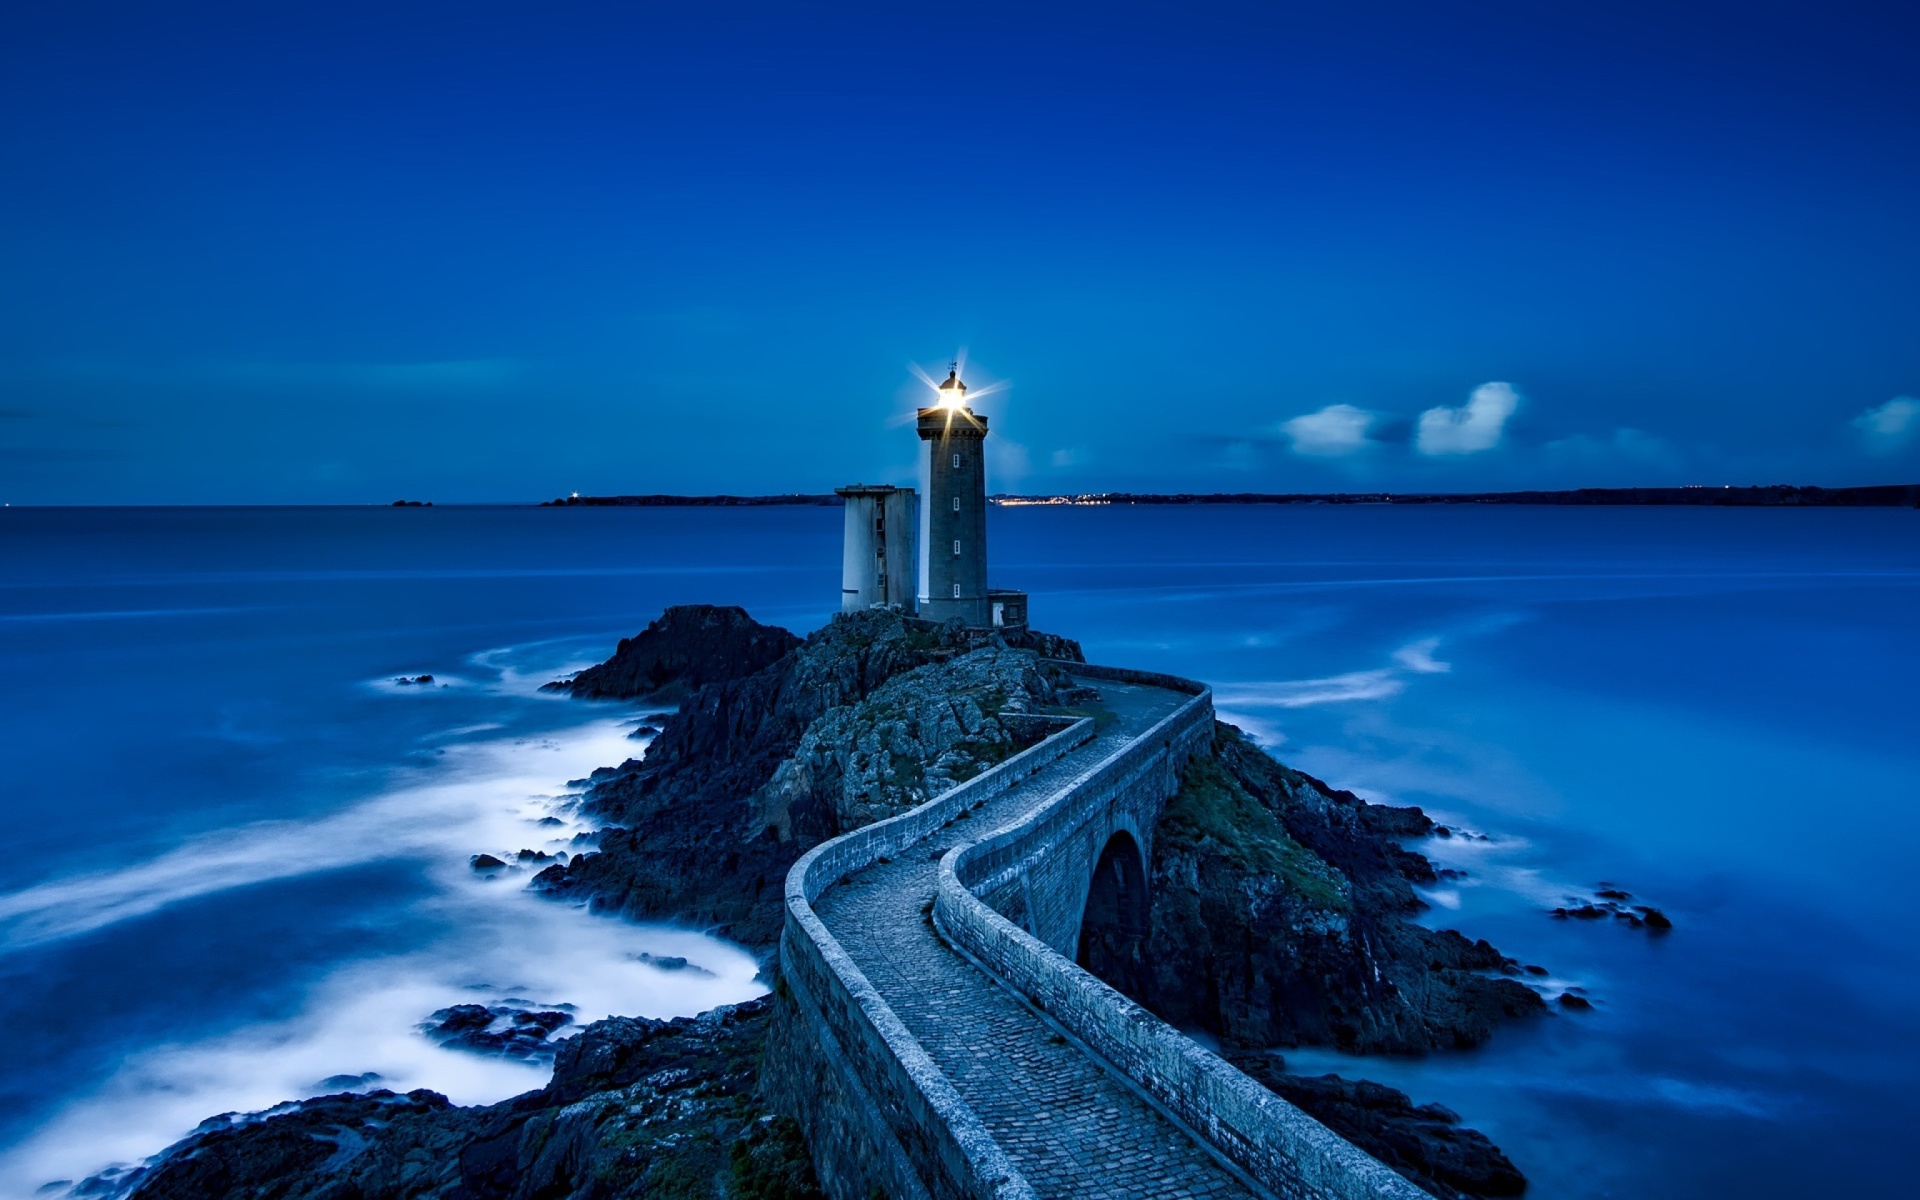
point(956, 504)
point(956, 591)
point(956, 547)
point(956, 460)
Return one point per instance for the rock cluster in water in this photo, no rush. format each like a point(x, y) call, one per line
point(636, 1108)
point(688, 647)
point(510, 1030)
point(1293, 902)
point(1425, 1142)
point(1612, 902)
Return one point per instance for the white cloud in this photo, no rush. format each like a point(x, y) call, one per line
point(1331, 432)
point(1471, 428)
point(1888, 428)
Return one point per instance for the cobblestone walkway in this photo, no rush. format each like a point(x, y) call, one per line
point(1069, 1125)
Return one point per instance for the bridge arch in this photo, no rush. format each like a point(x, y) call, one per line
point(1114, 916)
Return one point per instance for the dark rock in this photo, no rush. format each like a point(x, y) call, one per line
point(1424, 1143)
point(1442, 831)
point(1289, 901)
point(414, 680)
point(1613, 894)
point(644, 731)
point(1050, 645)
point(485, 862)
point(870, 716)
point(1573, 1003)
point(1533, 970)
point(1656, 919)
point(347, 1083)
point(462, 1018)
point(507, 1029)
point(534, 856)
point(636, 1108)
point(545, 1022)
point(687, 648)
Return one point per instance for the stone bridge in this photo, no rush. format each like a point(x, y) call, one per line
point(936, 1038)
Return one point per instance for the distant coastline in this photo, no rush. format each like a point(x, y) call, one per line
point(1899, 495)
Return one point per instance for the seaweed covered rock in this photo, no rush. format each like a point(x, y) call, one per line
point(871, 714)
point(1281, 915)
point(1426, 1143)
point(636, 1108)
point(913, 737)
point(688, 647)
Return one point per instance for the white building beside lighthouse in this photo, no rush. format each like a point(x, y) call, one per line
point(926, 552)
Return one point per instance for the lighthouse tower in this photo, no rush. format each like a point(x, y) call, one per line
point(953, 511)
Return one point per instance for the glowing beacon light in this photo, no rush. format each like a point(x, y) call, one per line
point(953, 393)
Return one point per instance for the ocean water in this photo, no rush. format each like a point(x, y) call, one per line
point(238, 849)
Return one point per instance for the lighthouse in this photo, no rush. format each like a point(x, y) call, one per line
point(953, 513)
point(925, 552)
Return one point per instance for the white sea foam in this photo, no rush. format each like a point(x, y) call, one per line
point(1302, 693)
point(1418, 657)
point(483, 797)
point(364, 1016)
point(1261, 730)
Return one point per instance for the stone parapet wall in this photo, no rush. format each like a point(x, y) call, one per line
point(907, 1131)
point(1280, 1147)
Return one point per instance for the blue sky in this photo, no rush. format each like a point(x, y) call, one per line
point(344, 253)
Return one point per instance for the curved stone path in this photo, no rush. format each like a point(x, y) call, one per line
point(1069, 1125)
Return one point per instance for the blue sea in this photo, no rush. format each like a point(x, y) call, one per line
point(237, 849)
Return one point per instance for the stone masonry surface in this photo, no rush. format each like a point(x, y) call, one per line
point(1069, 1126)
point(1036, 866)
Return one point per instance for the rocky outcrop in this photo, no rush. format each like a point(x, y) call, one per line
point(871, 715)
point(1426, 1143)
point(1281, 916)
point(636, 1108)
point(688, 647)
point(510, 1030)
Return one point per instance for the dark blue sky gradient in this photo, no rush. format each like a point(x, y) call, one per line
point(351, 252)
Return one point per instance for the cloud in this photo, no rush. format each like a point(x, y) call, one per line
point(1067, 457)
point(1888, 428)
point(1471, 428)
point(1336, 430)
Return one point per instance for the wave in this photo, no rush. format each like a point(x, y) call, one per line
point(362, 1017)
point(1418, 657)
point(1302, 693)
point(489, 794)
